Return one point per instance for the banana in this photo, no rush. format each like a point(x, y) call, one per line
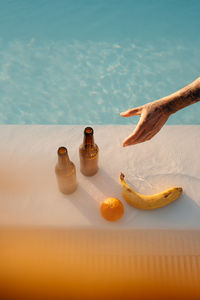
point(149, 202)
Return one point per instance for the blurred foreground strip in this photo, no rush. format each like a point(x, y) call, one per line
point(57, 264)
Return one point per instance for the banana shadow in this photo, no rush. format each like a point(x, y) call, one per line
point(182, 213)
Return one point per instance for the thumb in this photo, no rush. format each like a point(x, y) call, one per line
point(132, 112)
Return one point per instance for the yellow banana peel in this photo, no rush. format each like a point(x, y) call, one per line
point(148, 202)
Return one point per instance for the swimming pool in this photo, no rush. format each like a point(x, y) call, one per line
point(84, 61)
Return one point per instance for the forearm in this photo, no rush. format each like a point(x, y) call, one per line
point(182, 98)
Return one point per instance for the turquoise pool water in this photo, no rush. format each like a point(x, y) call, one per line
point(85, 61)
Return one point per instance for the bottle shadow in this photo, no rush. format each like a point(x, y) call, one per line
point(91, 192)
point(86, 204)
point(108, 186)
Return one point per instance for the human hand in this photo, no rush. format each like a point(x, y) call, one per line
point(152, 118)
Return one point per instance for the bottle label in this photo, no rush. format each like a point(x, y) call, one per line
point(92, 155)
point(91, 152)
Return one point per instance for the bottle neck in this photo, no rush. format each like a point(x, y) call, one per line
point(88, 141)
point(63, 158)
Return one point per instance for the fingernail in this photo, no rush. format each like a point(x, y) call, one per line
point(125, 144)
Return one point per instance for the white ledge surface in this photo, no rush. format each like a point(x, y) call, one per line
point(28, 189)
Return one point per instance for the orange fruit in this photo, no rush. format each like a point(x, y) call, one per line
point(112, 209)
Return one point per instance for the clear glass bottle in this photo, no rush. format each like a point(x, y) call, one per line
point(89, 154)
point(65, 172)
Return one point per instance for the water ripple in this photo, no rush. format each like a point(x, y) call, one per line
point(91, 82)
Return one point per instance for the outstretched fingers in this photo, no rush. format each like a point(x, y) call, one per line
point(132, 112)
point(137, 133)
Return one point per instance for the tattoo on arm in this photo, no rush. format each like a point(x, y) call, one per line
point(186, 96)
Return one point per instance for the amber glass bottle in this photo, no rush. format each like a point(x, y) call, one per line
point(89, 153)
point(65, 172)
